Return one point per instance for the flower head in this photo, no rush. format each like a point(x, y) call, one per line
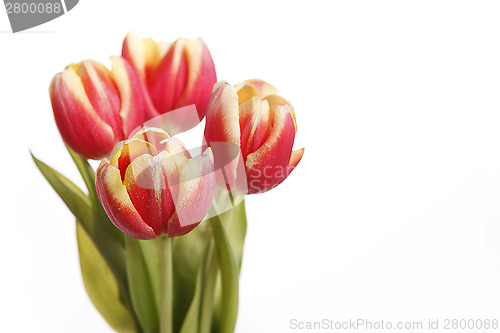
point(176, 74)
point(94, 108)
point(151, 186)
point(263, 124)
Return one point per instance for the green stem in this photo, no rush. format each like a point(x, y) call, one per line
point(166, 285)
point(229, 275)
point(208, 298)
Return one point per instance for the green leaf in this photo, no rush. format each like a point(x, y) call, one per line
point(97, 226)
point(189, 251)
point(87, 173)
point(235, 224)
point(103, 234)
point(188, 254)
point(205, 283)
point(101, 285)
point(77, 202)
point(143, 279)
point(191, 321)
point(88, 177)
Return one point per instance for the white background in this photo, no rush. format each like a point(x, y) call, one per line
point(394, 211)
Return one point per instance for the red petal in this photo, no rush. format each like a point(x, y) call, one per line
point(127, 151)
point(117, 204)
point(136, 106)
point(222, 132)
point(295, 159)
point(185, 76)
point(201, 77)
point(149, 190)
point(255, 124)
point(169, 80)
point(196, 193)
point(102, 93)
point(154, 136)
point(267, 167)
point(143, 54)
point(79, 124)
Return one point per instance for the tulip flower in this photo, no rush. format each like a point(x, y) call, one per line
point(252, 116)
point(94, 108)
point(151, 186)
point(176, 75)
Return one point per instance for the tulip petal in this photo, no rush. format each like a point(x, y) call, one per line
point(201, 76)
point(127, 151)
point(153, 135)
point(185, 76)
point(223, 117)
point(245, 92)
point(102, 93)
point(222, 130)
point(143, 54)
point(255, 124)
point(147, 184)
point(196, 193)
point(135, 103)
point(169, 80)
point(267, 167)
point(75, 117)
point(295, 159)
point(263, 88)
point(117, 204)
point(178, 153)
point(276, 100)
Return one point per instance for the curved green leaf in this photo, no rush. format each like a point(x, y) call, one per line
point(189, 250)
point(101, 285)
point(87, 173)
point(88, 177)
point(104, 235)
point(188, 254)
point(143, 280)
point(77, 202)
point(234, 223)
point(191, 321)
point(97, 226)
point(201, 309)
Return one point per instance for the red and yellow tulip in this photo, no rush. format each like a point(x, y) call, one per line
point(262, 123)
point(94, 108)
point(176, 74)
point(151, 186)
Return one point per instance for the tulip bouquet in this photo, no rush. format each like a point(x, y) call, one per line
point(160, 229)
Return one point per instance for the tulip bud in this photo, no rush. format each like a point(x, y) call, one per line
point(262, 124)
point(86, 106)
point(177, 74)
point(151, 186)
point(94, 108)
